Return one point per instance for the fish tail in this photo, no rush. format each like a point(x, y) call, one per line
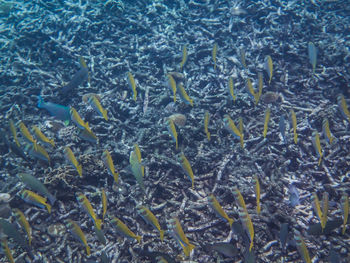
point(80, 170)
point(138, 238)
point(208, 136)
point(115, 176)
point(176, 145)
point(251, 245)
point(188, 249)
point(242, 141)
point(29, 240)
point(104, 113)
point(230, 221)
point(48, 207)
point(88, 252)
point(52, 199)
point(343, 230)
point(52, 143)
point(98, 223)
point(191, 103)
point(161, 233)
point(40, 102)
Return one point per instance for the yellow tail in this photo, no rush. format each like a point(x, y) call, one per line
point(104, 113)
point(116, 176)
point(138, 238)
point(48, 207)
point(88, 250)
point(188, 249)
point(80, 170)
point(98, 223)
point(161, 233)
point(230, 221)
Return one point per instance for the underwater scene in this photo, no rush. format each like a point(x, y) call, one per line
point(191, 131)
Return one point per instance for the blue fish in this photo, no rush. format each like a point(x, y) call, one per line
point(282, 126)
point(59, 111)
point(77, 79)
point(293, 196)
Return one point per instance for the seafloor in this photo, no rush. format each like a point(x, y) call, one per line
point(41, 42)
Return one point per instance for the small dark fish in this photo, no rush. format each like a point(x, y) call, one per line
point(316, 229)
point(293, 196)
point(282, 126)
point(284, 235)
point(11, 231)
point(13, 147)
point(333, 256)
point(104, 257)
point(226, 249)
point(77, 79)
point(100, 235)
point(58, 111)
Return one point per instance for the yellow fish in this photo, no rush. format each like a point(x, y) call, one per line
point(104, 203)
point(172, 85)
point(124, 230)
point(206, 124)
point(343, 107)
point(132, 85)
point(219, 210)
point(317, 208)
point(293, 118)
point(137, 169)
point(257, 193)
point(138, 154)
point(242, 56)
point(24, 223)
point(96, 105)
point(215, 49)
point(71, 158)
point(184, 57)
point(231, 128)
point(180, 236)
point(108, 161)
point(172, 130)
point(261, 84)
point(14, 133)
point(326, 131)
point(183, 95)
point(35, 199)
point(86, 205)
point(187, 168)
point(266, 123)
point(7, 251)
point(269, 67)
point(304, 253)
point(75, 117)
point(150, 218)
point(325, 205)
point(78, 234)
point(344, 200)
point(39, 152)
point(317, 145)
point(41, 137)
point(26, 134)
point(249, 87)
point(230, 88)
point(244, 216)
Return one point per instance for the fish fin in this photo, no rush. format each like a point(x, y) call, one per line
point(48, 207)
point(115, 177)
point(40, 102)
point(80, 170)
point(52, 199)
point(187, 249)
point(161, 233)
point(98, 223)
point(230, 221)
point(138, 238)
point(88, 252)
point(104, 113)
